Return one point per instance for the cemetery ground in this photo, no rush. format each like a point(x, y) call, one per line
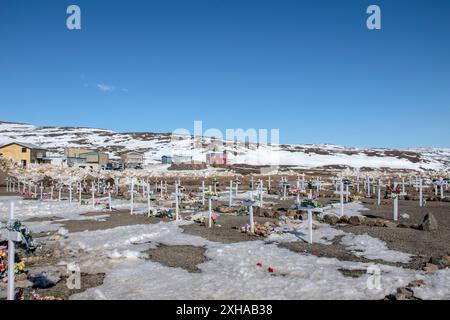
point(124, 256)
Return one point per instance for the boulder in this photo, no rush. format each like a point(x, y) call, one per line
point(389, 224)
point(292, 212)
point(370, 222)
point(446, 259)
point(331, 219)
point(344, 219)
point(430, 268)
point(356, 220)
point(442, 262)
point(429, 223)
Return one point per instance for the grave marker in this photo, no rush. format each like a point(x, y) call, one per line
point(396, 194)
point(341, 193)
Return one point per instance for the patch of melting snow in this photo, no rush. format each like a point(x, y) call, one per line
point(373, 249)
point(437, 286)
point(232, 273)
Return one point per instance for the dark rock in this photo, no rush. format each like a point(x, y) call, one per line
point(429, 223)
point(331, 219)
point(356, 220)
point(344, 219)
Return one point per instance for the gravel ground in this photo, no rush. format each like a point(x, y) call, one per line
point(115, 219)
point(422, 243)
point(228, 232)
point(186, 257)
point(338, 251)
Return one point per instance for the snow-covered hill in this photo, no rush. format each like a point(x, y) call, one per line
point(155, 145)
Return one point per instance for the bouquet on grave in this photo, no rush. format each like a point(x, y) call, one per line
point(211, 194)
point(308, 203)
point(395, 193)
point(31, 294)
point(27, 241)
point(19, 267)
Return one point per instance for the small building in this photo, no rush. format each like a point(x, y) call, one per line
point(23, 153)
point(55, 158)
point(133, 160)
point(166, 160)
point(75, 152)
point(177, 159)
point(95, 157)
point(217, 158)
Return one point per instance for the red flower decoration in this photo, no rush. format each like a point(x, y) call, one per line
point(270, 270)
point(259, 264)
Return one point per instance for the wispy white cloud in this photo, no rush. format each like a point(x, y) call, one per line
point(105, 88)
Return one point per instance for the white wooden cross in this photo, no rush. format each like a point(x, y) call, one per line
point(269, 181)
point(318, 184)
point(261, 193)
point(70, 192)
point(310, 211)
point(342, 193)
point(237, 183)
point(80, 189)
point(209, 197)
point(379, 192)
point(148, 200)
point(93, 194)
point(13, 237)
point(441, 184)
point(396, 196)
point(177, 195)
point(249, 203)
point(368, 187)
point(230, 195)
point(419, 186)
point(284, 185)
point(132, 197)
point(59, 190)
point(41, 191)
point(251, 183)
point(298, 193)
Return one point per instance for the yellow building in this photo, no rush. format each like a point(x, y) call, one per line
point(23, 153)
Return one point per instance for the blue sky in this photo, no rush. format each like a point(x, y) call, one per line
point(310, 68)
